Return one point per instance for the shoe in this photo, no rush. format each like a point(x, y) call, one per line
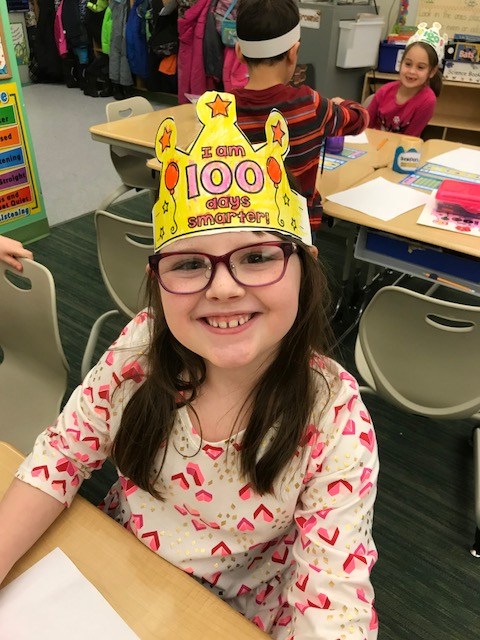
point(107, 90)
point(117, 91)
point(90, 86)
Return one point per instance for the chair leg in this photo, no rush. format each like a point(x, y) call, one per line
point(475, 550)
point(119, 191)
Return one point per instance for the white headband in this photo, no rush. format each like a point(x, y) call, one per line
point(270, 48)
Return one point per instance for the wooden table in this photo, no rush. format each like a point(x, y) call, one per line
point(138, 133)
point(157, 600)
point(406, 224)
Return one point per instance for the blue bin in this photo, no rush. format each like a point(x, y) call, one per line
point(389, 56)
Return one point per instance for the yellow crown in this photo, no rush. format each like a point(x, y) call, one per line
point(222, 183)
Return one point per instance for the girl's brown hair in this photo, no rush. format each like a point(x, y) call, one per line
point(435, 82)
point(284, 395)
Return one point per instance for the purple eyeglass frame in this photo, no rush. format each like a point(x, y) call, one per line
point(288, 248)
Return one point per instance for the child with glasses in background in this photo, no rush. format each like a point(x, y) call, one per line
point(407, 104)
point(245, 455)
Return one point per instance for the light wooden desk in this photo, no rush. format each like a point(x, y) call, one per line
point(380, 147)
point(406, 225)
point(138, 132)
point(157, 600)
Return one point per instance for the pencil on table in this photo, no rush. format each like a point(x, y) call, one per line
point(384, 141)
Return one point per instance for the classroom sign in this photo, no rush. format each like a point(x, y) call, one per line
point(22, 214)
point(19, 194)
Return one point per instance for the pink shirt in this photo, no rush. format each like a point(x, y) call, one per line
point(410, 118)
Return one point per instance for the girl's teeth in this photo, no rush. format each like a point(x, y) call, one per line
point(230, 325)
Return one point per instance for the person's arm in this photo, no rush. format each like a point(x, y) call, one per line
point(343, 117)
point(422, 114)
point(330, 591)
point(25, 514)
point(69, 451)
point(10, 250)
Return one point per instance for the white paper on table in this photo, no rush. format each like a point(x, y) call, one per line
point(461, 159)
point(380, 198)
point(52, 601)
point(361, 138)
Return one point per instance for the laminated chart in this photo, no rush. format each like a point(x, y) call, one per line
point(19, 192)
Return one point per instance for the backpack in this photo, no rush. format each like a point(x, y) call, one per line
point(59, 34)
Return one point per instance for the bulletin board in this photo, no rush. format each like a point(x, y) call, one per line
point(455, 16)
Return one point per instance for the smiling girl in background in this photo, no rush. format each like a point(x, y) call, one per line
point(245, 455)
point(407, 105)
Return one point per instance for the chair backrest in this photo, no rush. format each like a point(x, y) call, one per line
point(423, 353)
point(367, 100)
point(123, 249)
point(33, 373)
point(131, 167)
point(135, 106)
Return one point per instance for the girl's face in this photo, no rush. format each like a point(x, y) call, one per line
point(415, 70)
point(229, 325)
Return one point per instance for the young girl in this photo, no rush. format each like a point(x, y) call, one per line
point(407, 105)
point(245, 456)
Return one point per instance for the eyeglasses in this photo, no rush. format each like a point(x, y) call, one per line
point(256, 265)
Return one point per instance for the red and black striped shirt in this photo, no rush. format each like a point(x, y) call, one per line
point(310, 119)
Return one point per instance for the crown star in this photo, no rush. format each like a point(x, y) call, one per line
point(278, 133)
point(165, 139)
point(286, 200)
point(294, 223)
point(219, 107)
point(165, 207)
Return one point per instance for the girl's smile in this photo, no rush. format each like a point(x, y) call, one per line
point(230, 325)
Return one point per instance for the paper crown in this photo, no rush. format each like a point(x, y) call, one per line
point(223, 183)
point(432, 37)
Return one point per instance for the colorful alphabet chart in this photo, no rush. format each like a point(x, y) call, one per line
point(431, 175)
point(351, 154)
point(331, 162)
point(19, 195)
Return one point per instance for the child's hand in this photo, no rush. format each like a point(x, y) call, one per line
point(10, 250)
point(338, 100)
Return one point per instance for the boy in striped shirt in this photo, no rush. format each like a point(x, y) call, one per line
point(268, 34)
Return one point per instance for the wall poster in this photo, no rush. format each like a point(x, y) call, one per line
point(22, 213)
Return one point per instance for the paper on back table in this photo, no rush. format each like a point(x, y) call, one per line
point(360, 138)
point(52, 601)
point(380, 199)
point(461, 159)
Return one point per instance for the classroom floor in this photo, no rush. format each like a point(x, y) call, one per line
point(426, 581)
point(75, 171)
